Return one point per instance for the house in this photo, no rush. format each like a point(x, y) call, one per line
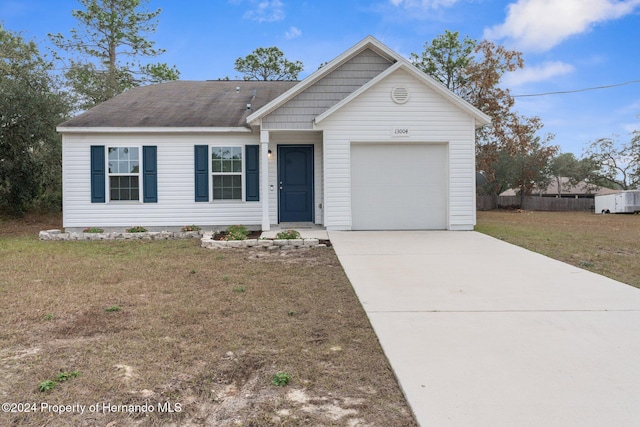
point(366, 142)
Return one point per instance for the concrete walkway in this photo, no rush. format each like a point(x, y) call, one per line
point(306, 230)
point(483, 333)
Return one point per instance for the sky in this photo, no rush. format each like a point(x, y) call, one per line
point(567, 45)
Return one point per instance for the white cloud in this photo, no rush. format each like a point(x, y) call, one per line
point(537, 73)
point(422, 4)
point(266, 11)
point(293, 33)
point(542, 24)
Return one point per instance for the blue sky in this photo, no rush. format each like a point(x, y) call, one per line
point(567, 44)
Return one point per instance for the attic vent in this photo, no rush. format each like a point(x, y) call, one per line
point(400, 95)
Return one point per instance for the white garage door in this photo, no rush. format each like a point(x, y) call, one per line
point(398, 186)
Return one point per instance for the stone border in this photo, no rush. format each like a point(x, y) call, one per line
point(147, 235)
point(266, 244)
point(207, 239)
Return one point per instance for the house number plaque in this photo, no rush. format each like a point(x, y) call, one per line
point(399, 131)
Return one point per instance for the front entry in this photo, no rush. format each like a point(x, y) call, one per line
point(295, 181)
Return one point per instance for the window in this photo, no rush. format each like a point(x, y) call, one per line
point(226, 168)
point(124, 173)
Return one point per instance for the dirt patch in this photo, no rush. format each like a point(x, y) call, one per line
point(93, 322)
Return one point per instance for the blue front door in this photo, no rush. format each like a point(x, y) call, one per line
point(295, 181)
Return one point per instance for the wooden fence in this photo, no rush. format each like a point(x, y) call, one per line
point(534, 203)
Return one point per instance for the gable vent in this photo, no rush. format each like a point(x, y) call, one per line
point(400, 95)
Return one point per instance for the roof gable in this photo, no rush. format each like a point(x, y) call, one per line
point(367, 43)
point(382, 50)
point(300, 111)
point(480, 118)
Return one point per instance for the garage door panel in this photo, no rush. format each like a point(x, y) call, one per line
point(397, 187)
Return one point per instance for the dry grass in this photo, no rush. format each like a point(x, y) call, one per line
point(605, 244)
point(203, 329)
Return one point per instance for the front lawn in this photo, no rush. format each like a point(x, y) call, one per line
point(200, 336)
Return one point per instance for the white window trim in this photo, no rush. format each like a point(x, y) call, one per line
point(109, 174)
point(241, 173)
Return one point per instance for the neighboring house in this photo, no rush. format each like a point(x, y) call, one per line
point(580, 190)
point(365, 142)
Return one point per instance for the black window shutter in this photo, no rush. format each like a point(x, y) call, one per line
point(150, 174)
point(252, 179)
point(201, 155)
point(98, 176)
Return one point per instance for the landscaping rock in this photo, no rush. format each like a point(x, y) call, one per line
point(207, 239)
point(236, 243)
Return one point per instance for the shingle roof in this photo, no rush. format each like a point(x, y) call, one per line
point(215, 103)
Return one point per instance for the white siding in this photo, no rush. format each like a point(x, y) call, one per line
point(337, 85)
point(175, 207)
point(371, 118)
point(302, 138)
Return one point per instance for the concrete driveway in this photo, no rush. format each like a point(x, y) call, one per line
point(483, 333)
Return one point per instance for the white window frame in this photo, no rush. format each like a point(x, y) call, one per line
point(241, 173)
point(109, 174)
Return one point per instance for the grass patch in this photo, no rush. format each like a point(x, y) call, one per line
point(66, 376)
point(604, 244)
point(186, 338)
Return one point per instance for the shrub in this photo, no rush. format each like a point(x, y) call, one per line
point(281, 379)
point(46, 385)
point(136, 229)
point(190, 228)
point(237, 232)
point(93, 230)
point(288, 235)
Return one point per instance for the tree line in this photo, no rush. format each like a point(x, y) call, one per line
point(109, 50)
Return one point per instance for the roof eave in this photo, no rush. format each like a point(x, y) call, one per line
point(159, 129)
